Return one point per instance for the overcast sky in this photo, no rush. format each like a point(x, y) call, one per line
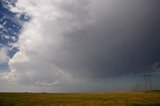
point(81, 45)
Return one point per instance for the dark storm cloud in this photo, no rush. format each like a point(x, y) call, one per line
point(75, 41)
point(123, 40)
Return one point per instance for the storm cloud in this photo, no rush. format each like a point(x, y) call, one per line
point(68, 41)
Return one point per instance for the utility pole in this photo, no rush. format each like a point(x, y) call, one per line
point(148, 82)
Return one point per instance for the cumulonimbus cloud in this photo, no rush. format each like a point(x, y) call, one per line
point(76, 40)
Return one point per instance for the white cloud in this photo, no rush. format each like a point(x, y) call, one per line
point(3, 55)
point(41, 40)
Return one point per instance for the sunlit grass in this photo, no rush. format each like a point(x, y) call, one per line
point(82, 99)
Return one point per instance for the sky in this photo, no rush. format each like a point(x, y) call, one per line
point(78, 45)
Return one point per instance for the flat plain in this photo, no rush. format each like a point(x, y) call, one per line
point(81, 99)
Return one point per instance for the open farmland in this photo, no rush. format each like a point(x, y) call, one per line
point(82, 99)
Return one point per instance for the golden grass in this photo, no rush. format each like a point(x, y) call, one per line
point(81, 99)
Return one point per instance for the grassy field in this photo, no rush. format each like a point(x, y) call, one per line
point(81, 99)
